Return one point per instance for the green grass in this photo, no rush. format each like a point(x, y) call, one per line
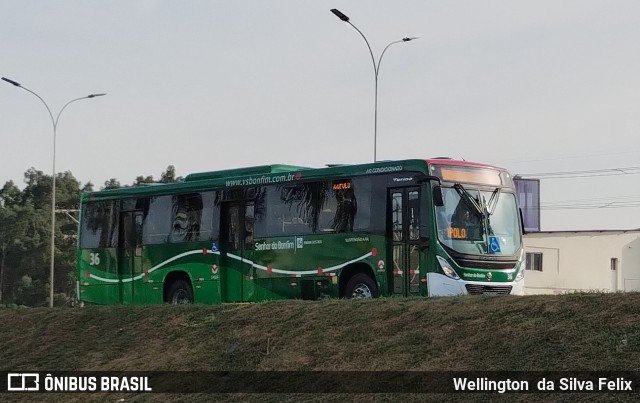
point(535, 333)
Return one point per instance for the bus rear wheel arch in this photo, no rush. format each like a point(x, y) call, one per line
point(178, 289)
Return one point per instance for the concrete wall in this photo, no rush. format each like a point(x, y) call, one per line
point(581, 261)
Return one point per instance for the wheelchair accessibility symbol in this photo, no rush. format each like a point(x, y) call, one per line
point(494, 244)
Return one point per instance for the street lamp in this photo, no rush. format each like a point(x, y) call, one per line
point(53, 191)
point(376, 70)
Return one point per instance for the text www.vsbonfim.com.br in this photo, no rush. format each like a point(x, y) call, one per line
point(261, 180)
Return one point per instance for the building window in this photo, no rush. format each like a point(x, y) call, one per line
point(533, 261)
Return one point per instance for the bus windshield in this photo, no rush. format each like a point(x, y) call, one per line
point(479, 222)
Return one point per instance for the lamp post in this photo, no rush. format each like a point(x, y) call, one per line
point(53, 190)
point(376, 70)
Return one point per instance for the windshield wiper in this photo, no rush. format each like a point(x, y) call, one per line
point(468, 198)
point(493, 201)
point(483, 209)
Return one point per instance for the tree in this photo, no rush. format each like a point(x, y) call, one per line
point(38, 189)
point(10, 199)
point(88, 187)
point(7, 218)
point(169, 176)
point(67, 191)
point(10, 195)
point(68, 194)
point(25, 233)
point(31, 292)
point(141, 180)
point(112, 183)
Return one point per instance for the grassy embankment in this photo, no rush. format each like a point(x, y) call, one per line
point(577, 332)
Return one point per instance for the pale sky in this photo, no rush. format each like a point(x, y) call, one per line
point(533, 86)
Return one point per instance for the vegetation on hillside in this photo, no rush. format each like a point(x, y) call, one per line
point(575, 332)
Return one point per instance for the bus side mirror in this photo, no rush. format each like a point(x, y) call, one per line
point(522, 221)
point(437, 196)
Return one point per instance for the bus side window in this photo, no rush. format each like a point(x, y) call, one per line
point(99, 227)
point(138, 234)
point(249, 221)
point(414, 216)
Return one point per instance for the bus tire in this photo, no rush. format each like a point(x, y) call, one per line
point(361, 286)
point(180, 292)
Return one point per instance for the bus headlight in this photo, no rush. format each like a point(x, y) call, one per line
point(447, 269)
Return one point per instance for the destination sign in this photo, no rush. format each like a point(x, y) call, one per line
point(342, 186)
point(457, 233)
point(469, 233)
point(481, 176)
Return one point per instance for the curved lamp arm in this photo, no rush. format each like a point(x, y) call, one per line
point(53, 175)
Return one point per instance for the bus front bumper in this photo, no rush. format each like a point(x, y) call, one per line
point(440, 285)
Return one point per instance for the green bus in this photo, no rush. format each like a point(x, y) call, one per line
point(430, 227)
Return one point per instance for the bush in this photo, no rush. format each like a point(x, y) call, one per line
point(11, 306)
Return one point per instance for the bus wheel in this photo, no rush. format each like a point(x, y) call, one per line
point(360, 286)
point(180, 292)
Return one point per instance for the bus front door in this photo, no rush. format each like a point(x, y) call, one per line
point(236, 245)
point(403, 232)
point(129, 253)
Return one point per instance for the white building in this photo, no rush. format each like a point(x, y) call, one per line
point(566, 261)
